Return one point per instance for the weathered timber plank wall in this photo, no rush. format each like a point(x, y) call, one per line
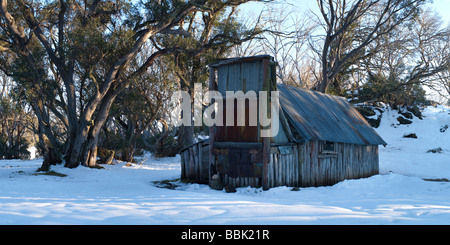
point(283, 168)
point(350, 162)
point(195, 163)
point(240, 181)
point(301, 165)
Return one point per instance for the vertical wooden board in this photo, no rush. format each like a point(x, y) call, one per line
point(288, 169)
point(377, 160)
point(250, 72)
point(341, 174)
point(213, 86)
point(186, 162)
point(321, 178)
point(269, 171)
point(346, 158)
point(273, 171)
point(361, 163)
point(205, 163)
point(235, 81)
point(316, 163)
point(305, 165)
point(223, 77)
point(200, 161)
point(191, 174)
point(303, 159)
point(356, 165)
point(351, 161)
point(220, 131)
point(294, 170)
point(196, 160)
point(280, 170)
point(291, 170)
point(183, 175)
point(357, 151)
point(347, 161)
point(337, 167)
point(309, 164)
point(276, 170)
point(313, 164)
point(301, 164)
point(297, 162)
point(333, 170)
point(285, 170)
point(294, 166)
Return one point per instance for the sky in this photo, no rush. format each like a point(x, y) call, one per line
point(441, 6)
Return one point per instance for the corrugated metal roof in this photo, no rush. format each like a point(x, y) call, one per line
point(319, 116)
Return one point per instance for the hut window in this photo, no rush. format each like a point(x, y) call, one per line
point(328, 146)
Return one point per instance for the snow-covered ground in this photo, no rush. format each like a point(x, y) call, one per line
point(122, 194)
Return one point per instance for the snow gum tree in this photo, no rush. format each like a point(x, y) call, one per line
point(77, 56)
point(351, 26)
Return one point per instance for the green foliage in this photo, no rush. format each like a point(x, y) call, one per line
point(13, 144)
point(162, 146)
point(71, 59)
point(392, 91)
point(159, 10)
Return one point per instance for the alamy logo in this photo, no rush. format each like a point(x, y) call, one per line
point(258, 109)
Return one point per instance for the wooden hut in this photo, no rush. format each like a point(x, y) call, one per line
point(321, 140)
